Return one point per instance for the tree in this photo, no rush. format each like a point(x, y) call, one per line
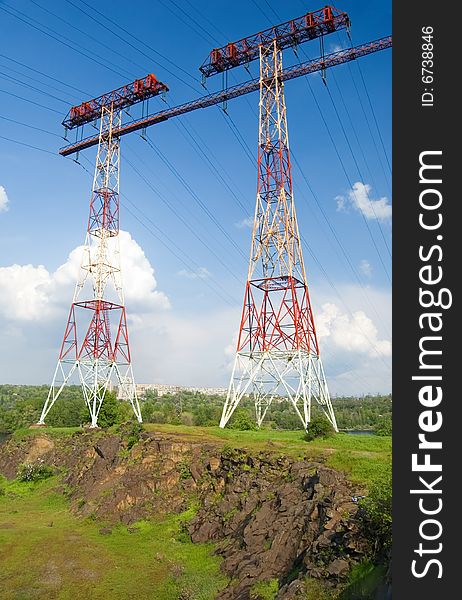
point(384, 426)
point(243, 421)
point(319, 427)
point(376, 513)
point(109, 412)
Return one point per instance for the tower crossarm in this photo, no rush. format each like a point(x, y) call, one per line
point(310, 26)
point(305, 68)
point(127, 95)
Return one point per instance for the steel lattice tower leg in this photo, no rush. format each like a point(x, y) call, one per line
point(277, 351)
point(97, 312)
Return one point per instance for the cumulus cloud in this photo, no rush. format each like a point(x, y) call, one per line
point(184, 346)
point(200, 273)
point(352, 333)
point(365, 267)
point(29, 292)
point(24, 292)
point(4, 202)
point(359, 198)
point(247, 222)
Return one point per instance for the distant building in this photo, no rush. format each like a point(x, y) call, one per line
point(162, 389)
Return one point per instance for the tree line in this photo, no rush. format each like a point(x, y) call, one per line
point(20, 406)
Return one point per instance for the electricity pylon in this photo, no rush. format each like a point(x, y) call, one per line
point(102, 357)
point(277, 350)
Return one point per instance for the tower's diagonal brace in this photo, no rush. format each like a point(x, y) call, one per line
point(56, 388)
point(102, 357)
point(277, 352)
point(267, 376)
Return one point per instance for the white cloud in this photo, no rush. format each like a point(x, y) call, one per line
point(173, 346)
point(247, 222)
point(359, 199)
point(29, 293)
point(354, 333)
point(4, 202)
point(365, 267)
point(184, 349)
point(200, 273)
point(335, 48)
point(341, 203)
point(24, 292)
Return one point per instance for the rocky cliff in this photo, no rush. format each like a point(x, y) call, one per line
point(270, 516)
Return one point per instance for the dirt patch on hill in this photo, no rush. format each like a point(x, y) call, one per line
point(272, 517)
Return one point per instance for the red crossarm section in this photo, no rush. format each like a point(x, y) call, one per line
point(311, 66)
point(137, 91)
point(292, 33)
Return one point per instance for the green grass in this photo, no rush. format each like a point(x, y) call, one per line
point(361, 458)
point(47, 553)
point(264, 590)
point(21, 434)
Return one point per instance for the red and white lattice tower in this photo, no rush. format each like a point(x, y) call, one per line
point(95, 349)
point(277, 350)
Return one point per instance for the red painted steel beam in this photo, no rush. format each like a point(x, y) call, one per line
point(311, 66)
point(292, 33)
point(127, 95)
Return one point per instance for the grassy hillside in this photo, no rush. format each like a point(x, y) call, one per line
point(46, 553)
point(362, 458)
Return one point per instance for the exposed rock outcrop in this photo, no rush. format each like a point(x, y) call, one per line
point(275, 518)
point(270, 516)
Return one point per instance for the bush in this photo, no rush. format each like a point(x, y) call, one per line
point(265, 590)
point(187, 419)
point(319, 427)
point(364, 581)
point(34, 472)
point(376, 516)
point(131, 431)
point(384, 426)
point(157, 417)
point(243, 421)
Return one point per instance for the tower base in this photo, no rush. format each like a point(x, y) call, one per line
point(95, 379)
point(294, 375)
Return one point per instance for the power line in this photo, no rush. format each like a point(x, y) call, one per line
point(31, 101)
point(344, 171)
point(54, 35)
point(22, 83)
point(186, 185)
point(206, 19)
point(3, 137)
point(371, 204)
point(144, 44)
point(188, 22)
point(29, 126)
point(85, 33)
point(29, 78)
point(366, 119)
point(44, 74)
point(182, 219)
point(355, 133)
point(182, 261)
point(373, 115)
point(208, 162)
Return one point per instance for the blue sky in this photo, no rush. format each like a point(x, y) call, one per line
point(186, 302)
